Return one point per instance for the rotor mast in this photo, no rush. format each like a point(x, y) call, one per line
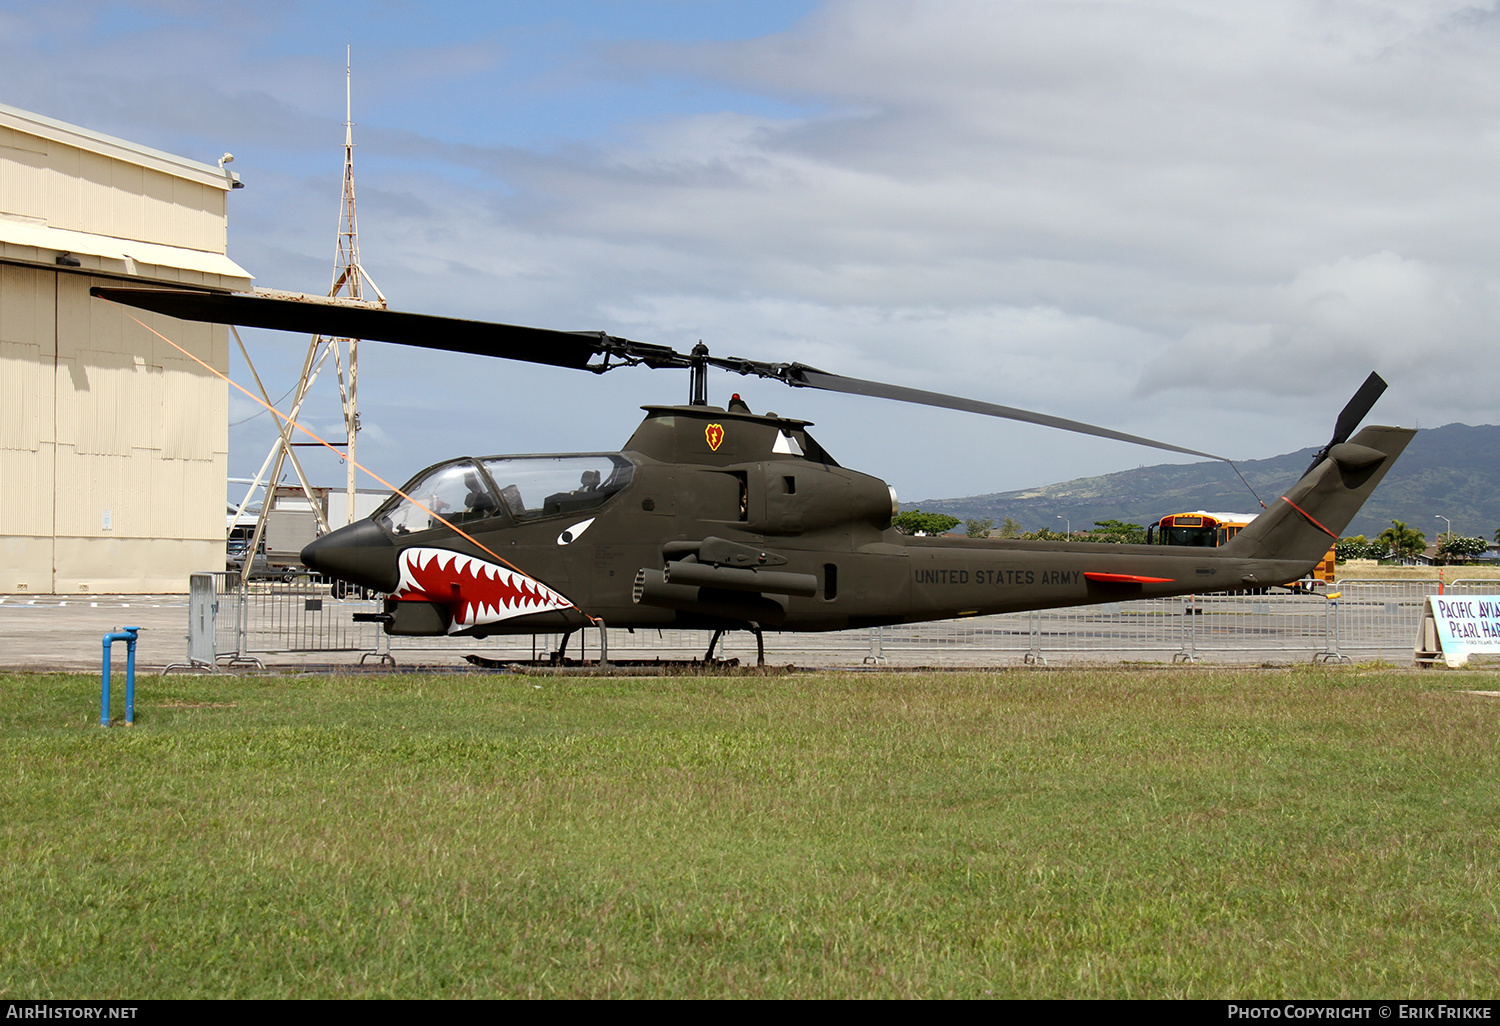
point(698, 368)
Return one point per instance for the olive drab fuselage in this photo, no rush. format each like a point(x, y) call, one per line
point(718, 518)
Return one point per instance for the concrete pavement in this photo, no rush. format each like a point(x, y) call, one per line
point(66, 632)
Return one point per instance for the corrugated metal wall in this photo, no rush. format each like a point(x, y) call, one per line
point(113, 445)
point(26, 422)
point(88, 192)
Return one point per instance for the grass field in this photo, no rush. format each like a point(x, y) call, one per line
point(1112, 833)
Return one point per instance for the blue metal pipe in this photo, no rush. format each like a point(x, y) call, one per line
point(127, 635)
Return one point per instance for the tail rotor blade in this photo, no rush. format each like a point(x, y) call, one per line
point(1355, 410)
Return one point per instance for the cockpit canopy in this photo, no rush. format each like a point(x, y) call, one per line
point(522, 487)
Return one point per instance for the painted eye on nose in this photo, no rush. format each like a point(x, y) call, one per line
point(572, 533)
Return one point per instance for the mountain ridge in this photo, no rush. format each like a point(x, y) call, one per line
point(1451, 471)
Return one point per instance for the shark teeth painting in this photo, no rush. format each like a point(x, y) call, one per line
point(477, 591)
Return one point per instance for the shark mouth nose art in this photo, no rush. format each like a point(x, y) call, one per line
point(476, 590)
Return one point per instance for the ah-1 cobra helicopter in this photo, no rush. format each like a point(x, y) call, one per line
point(728, 520)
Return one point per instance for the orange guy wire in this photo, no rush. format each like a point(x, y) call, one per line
point(277, 413)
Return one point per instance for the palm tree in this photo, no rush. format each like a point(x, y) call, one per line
point(1404, 541)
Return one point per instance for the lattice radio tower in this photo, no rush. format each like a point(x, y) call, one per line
point(350, 279)
point(349, 282)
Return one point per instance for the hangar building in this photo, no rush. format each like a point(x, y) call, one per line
point(113, 445)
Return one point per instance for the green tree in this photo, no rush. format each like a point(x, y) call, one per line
point(1011, 528)
point(914, 521)
point(1359, 547)
point(1045, 535)
point(978, 528)
point(1404, 542)
point(1352, 547)
point(1455, 549)
point(1118, 532)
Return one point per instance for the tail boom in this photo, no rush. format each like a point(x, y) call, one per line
point(1283, 544)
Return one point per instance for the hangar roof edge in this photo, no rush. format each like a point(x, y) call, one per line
point(119, 149)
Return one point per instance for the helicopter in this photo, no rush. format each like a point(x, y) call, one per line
point(723, 519)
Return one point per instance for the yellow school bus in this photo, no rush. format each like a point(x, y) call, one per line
point(1211, 530)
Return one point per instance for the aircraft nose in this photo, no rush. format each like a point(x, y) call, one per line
point(361, 553)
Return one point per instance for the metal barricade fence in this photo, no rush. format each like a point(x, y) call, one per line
point(1180, 627)
point(215, 613)
point(1260, 623)
point(1378, 618)
point(640, 644)
point(1004, 632)
point(203, 609)
point(227, 613)
point(1153, 625)
point(306, 613)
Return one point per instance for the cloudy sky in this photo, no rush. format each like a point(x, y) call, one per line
point(1195, 221)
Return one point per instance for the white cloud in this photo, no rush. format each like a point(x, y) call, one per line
point(1173, 218)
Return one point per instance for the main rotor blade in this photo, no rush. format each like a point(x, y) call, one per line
point(812, 378)
point(1354, 411)
point(347, 320)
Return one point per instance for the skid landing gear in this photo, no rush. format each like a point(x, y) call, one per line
point(760, 646)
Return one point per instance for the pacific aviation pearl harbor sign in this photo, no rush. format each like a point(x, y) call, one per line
point(1454, 628)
